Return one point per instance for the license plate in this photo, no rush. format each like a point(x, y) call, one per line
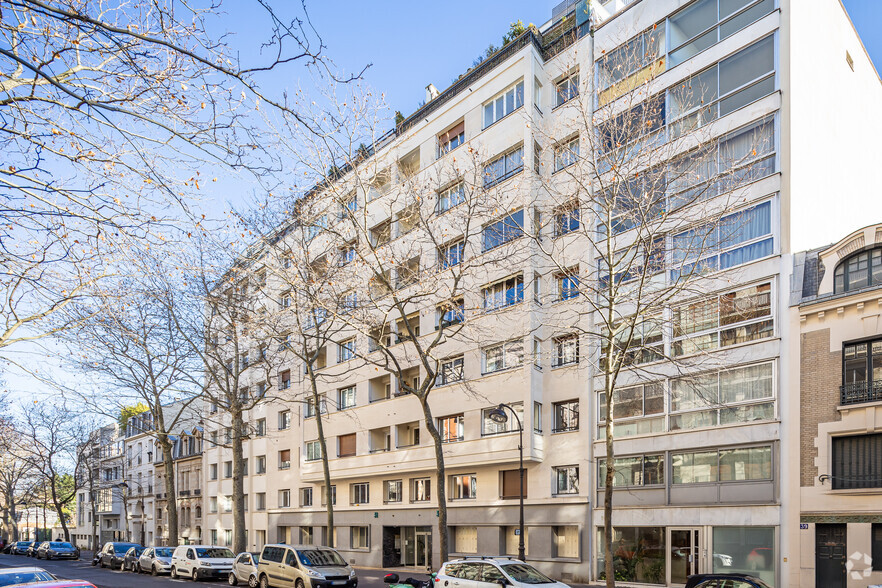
point(339, 582)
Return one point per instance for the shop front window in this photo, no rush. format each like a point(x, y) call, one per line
point(638, 554)
point(748, 550)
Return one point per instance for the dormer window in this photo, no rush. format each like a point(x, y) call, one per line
point(859, 271)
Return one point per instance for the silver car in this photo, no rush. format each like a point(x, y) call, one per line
point(244, 569)
point(155, 560)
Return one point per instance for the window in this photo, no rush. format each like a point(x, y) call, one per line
point(359, 493)
point(392, 491)
point(491, 427)
point(463, 486)
point(859, 270)
point(420, 489)
point(315, 229)
point(261, 464)
point(638, 470)
point(566, 416)
point(724, 320)
point(212, 505)
point(346, 254)
point(310, 406)
point(284, 420)
point(451, 138)
point(451, 255)
point(346, 397)
point(753, 545)
point(313, 451)
point(450, 197)
point(346, 350)
point(745, 393)
point(506, 103)
point(503, 293)
point(407, 273)
point(359, 537)
point(707, 22)
point(566, 219)
point(567, 285)
point(451, 371)
point(284, 459)
point(503, 167)
point(861, 372)
point(856, 462)
point(628, 59)
point(503, 356)
point(637, 410)
point(728, 465)
point(260, 501)
point(465, 540)
point(567, 89)
point(566, 541)
point(228, 469)
point(348, 205)
point(510, 484)
point(284, 498)
point(382, 233)
point(285, 300)
point(450, 314)
point(504, 230)
point(228, 503)
point(451, 428)
point(333, 495)
point(566, 154)
point(537, 417)
point(285, 380)
point(566, 480)
point(346, 445)
point(566, 351)
point(260, 428)
point(306, 497)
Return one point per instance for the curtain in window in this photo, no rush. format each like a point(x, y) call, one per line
point(747, 383)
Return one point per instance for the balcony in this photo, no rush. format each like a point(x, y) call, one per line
point(859, 393)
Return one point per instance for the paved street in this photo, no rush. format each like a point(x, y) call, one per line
point(105, 578)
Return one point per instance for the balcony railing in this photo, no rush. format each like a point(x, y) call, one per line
point(859, 392)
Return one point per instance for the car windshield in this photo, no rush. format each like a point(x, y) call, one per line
point(163, 552)
point(526, 574)
point(122, 547)
point(136, 550)
point(23, 543)
point(57, 545)
point(255, 556)
point(210, 552)
point(14, 578)
point(320, 557)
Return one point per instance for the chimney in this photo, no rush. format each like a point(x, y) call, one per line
point(431, 93)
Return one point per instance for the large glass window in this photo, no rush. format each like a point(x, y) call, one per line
point(503, 356)
point(491, 427)
point(859, 271)
point(504, 293)
point(463, 486)
point(450, 197)
point(504, 230)
point(451, 371)
point(637, 410)
point(504, 167)
point(566, 416)
point(504, 104)
point(637, 470)
point(629, 58)
point(451, 428)
point(638, 554)
point(724, 465)
point(747, 550)
point(706, 22)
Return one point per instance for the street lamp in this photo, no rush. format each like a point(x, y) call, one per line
point(124, 486)
point(498, 415)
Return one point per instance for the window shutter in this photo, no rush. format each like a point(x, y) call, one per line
point(511, 484)
point(285, 455)
point(346, 445)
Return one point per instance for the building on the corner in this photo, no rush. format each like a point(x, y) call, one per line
point(836, 309)
point(100, 510)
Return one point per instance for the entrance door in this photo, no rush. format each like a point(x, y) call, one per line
point(830, 555)
point(423, 549)
point(684, 554)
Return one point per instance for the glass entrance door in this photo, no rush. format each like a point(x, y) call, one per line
point(684, 554)
point(423, 549)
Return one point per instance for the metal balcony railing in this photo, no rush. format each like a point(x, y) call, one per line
point(859, 392)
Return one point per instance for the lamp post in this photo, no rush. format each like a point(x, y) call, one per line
point(498, 415)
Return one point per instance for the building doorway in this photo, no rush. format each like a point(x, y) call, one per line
point(830, 554)
point(407, 547)
point(684, 553)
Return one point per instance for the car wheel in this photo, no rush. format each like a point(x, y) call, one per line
point(153, 570)
point(101, 562)
point(137, 568)
point(232, 580)
point(195, 575)
point(252, 581)
point(174, 573)
point(264, 582)
point(298, 583)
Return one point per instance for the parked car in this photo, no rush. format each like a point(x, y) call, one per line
point(201, 561)
point(32, 549)
point(20, 547)
point(395, 582)
point(244, 569)
point(495, 570)
point(113, 554)
point(131, 558)
point(63, 584)
point(57, 550)
point(24, 575)
point(303, 566)
point(156, 560)
point(724, 581)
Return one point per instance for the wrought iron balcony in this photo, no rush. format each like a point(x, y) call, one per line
point(860, 392)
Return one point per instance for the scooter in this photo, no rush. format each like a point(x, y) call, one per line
point(393, 581)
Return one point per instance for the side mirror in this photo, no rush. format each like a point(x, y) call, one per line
point(503, 582)
point(390, 579)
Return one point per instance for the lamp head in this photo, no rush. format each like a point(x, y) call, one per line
point(497, 415)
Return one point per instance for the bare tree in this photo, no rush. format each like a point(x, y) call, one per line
point(14, 472)
point(642, 189)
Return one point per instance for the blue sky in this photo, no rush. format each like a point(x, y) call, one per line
point(397, 37)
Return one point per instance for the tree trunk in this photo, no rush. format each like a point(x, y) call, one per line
point(239, 533)
point(59, 509)
point(608, 491)
point(326, 468)
point(440, 481)
point(171, 506)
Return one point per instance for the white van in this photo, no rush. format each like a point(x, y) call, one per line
point(303, 566)
point(201, 561)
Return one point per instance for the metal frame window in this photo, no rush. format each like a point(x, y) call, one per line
point(567, 285)
point(359, 537)
point(451, 371)
point(392, 491)
point(451, 138)
point(566, 480)
point(313, 451)
point(451, 254)
point(359, 493)
point(738, 464)
point(306, 497)
point(704, 23)
point(637, 410)
point(634, 471)
point(503, 293)
point(503, 167)
point(463, 487)
point(566, 154)
point(491, 427)
point(504, 104)
point(449, 314)
point(566, 89)
point(861, 372)
point(502, 231)
point(450, 197)
point(565, 415)
point(503, 356)
point(566, 350)
point(309, 410)
point(420, 489)
point(284, 498)
point(452, 428)
point(858, 270)
point(566, 219)
point(346, 397)
point(346, 350)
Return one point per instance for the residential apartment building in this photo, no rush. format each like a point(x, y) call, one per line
point(835, 308)
point(187, 454)
point(100, 509)
point(704, 478)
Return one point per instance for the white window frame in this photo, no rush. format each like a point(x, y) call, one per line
point(509, 349)
point(503, 104)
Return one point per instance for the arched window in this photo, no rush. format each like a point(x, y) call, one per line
point(859, 271)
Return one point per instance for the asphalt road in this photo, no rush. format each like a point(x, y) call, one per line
point(105, 578)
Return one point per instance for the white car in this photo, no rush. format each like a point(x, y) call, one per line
point(479, 572)
point(201, 561)
point(155, 560)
